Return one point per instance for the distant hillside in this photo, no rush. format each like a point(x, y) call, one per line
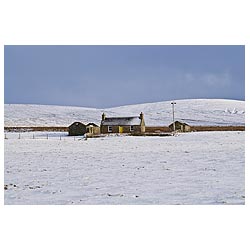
point(202, 112)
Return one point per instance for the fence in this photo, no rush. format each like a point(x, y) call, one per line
point(41, 135)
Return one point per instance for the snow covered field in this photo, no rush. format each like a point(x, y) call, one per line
point(191, 168)
point(201, 112)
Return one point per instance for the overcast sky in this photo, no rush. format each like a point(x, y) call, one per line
point(108, 76)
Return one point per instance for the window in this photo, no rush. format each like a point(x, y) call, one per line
point(109, 128)
point(131, 128)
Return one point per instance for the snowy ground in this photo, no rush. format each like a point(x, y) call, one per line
point(192, 168)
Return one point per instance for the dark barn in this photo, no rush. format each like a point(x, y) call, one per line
point(77, 128)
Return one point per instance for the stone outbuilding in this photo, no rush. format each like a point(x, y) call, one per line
point(132, 124)
point(92, 129)
point(77, 128)
point(180, 126)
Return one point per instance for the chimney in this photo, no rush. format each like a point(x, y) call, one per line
point(103, 116)
point(141, 116)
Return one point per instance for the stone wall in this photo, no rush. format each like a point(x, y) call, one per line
point(156, 129)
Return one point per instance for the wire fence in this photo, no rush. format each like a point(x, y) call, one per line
point(43, 136)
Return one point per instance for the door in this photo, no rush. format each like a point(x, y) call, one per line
point(120, 129)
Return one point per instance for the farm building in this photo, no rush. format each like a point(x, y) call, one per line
point(77, 128)
point(92, 128)
point(133, 124)
point(180, 126)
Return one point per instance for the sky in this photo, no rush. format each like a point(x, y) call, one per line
point(110, 76)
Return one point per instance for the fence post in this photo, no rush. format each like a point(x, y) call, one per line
point(19, 136)
point(33, 136)
point(5, 136)
point(60, 138)
point(47, 136)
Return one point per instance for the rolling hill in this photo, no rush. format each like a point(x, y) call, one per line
point(199, 112)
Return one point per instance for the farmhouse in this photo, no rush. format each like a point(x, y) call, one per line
point(181, 126)
point(92, 129)
point(133, 124)
point(77, 128)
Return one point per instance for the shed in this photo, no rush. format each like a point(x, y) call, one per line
point(77, 128)
point(131, 124)
point(92, 128)
point(180, 126)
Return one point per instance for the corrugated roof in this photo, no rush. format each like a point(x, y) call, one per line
point(183, 123)
point(77, 124)
point(122, 121)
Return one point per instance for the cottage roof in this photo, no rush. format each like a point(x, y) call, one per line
point(122, 121)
